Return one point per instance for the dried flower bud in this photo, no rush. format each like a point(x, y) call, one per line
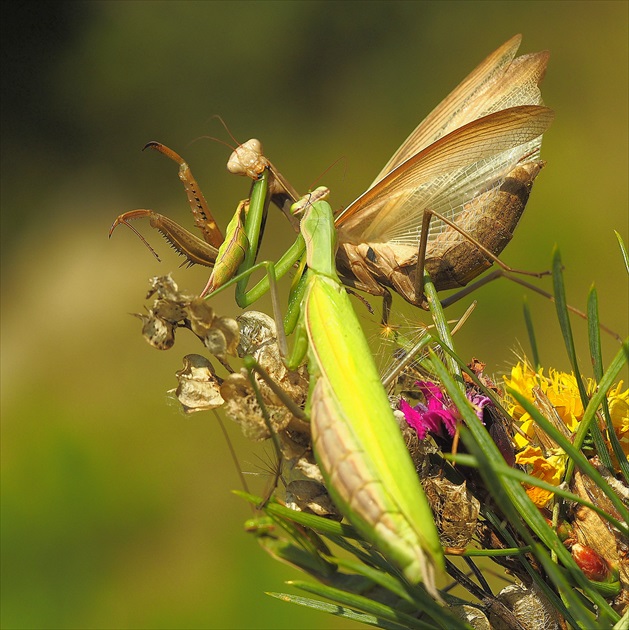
point(172, 312)
point(529, 607)
point(471, 615)
point(258, 338)
point(256, 330)
point(455, 508)
point(223, 337)
point(307, 466)
point(242, 407)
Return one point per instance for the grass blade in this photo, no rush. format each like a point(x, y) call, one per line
point(561, 306)
point(528, 320)
point(522, 477)
point(515, 503)
point(443, 330)
point(576, 456)
point(597, 366)
point(364, 604)
point(623, 250)
point(338, 611)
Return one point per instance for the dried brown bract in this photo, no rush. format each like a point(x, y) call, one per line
point(259, 340)
point(455, 508)
point(241, 405)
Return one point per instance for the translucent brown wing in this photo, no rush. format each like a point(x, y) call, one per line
point(499, 82)
point(445, 175)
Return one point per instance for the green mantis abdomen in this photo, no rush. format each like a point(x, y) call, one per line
point(352, 482)
point(358, 443)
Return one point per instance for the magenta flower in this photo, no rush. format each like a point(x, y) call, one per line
point(437, 414)
point(433, 416)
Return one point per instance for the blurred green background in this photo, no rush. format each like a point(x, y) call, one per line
point(116, 509)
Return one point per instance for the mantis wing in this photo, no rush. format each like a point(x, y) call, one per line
point(497, 83)
point(444, 176)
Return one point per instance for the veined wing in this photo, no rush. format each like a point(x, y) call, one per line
point(450, 171)
point(499, 82)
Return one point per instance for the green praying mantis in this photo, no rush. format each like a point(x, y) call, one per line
point(356, 439)
point(468, 168)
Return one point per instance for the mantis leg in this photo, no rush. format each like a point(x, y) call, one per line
point(230, 255)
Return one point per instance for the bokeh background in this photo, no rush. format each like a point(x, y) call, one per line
point(116, 509)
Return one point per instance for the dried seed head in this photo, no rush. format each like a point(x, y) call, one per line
point(471, 615)
point(168, 310)
point(303, 495)
point(223, 337)
point(258, 338)
point(455, 508)
point(158, 332)
point(242, 407)
point(200, 315)
point(307, 466)
point(166, 288)
point(295, 444)
point(256, 330)
point(173, 309)
point(199, 387)
point(531, 609)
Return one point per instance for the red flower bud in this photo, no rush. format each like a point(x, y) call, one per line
point(593, 566)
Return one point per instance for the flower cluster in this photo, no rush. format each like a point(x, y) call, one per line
point(558, 393)
point(557, 396)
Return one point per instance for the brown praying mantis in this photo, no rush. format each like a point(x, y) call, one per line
point(447, 201)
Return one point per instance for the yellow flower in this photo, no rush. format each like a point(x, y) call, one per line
point(523, 380)
point(528, 429)
point(549, 469)
point(619, 411)
point(563, 392)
